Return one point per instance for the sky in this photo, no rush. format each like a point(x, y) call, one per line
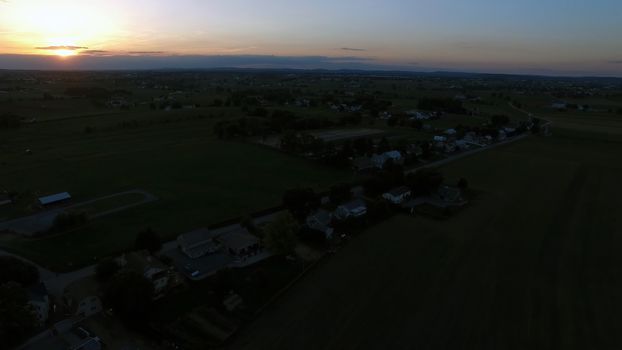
point(556, 37)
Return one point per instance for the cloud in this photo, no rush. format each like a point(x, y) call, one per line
point(616, 62)
point(95, 52)
point(62, 47)
point(352, 49)
point(145, 52)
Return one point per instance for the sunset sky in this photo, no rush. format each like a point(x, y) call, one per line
point(568, 37)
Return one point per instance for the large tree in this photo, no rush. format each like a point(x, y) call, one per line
point(106, 269)
point(280, 235)
point(149, 240)
point(424, 181)
point(16, 270)
point(130, 295)
point(300, 202)
point(17, 321)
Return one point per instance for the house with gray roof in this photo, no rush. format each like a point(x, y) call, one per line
point(321, 221)
point(198, 243)
point(397, 195)
point(239, 242)
point(353, 209)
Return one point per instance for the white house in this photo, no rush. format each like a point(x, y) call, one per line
point(398, 195)
point(81, 298)
point(39, 301)
point(379, 160)
point(353, 209)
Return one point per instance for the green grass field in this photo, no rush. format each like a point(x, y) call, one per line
point(532, 263)
point(198, 179)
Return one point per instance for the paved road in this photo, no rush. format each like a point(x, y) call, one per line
point(42, 221)
point(466, 154)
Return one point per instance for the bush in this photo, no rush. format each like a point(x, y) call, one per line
point(130, 295)
point(17, 321)
point(106, 268)
point(280, 235)
point(463, 184)
point(424, 181)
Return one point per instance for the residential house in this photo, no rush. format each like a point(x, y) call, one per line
point(559, 105)
point(321, 221)
point(461, 144)
point(450, 132)
point(450, 194)
point(353, 209)
point(81, 339)
point(81, 298)
point(501, 135)
point(398, 195)
point(151, 268)
point(240, 243)
point(40, 302)
point(379, 160)
point(471, 137)
point(449, 147)
point(198, 243)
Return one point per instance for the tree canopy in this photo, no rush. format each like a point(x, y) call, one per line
point(280, 235)
point(149, 240)
point(130, 295)
point(15, 270)
point(17, 321)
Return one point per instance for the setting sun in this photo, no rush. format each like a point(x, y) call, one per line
point(64, 52)
point(59, 28)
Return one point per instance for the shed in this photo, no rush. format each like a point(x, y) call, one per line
point(55, 198)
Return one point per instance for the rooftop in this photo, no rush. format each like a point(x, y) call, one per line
point(197, 237)
point(399, 191)
point(238, 239)
point(54, 198)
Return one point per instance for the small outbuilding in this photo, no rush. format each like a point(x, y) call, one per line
point(55, 198)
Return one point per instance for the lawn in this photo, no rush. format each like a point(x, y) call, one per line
point(532, 263)
point(110, 203)
point(198, 179)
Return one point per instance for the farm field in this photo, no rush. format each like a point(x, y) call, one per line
point(198, 179)
point(532, 263)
